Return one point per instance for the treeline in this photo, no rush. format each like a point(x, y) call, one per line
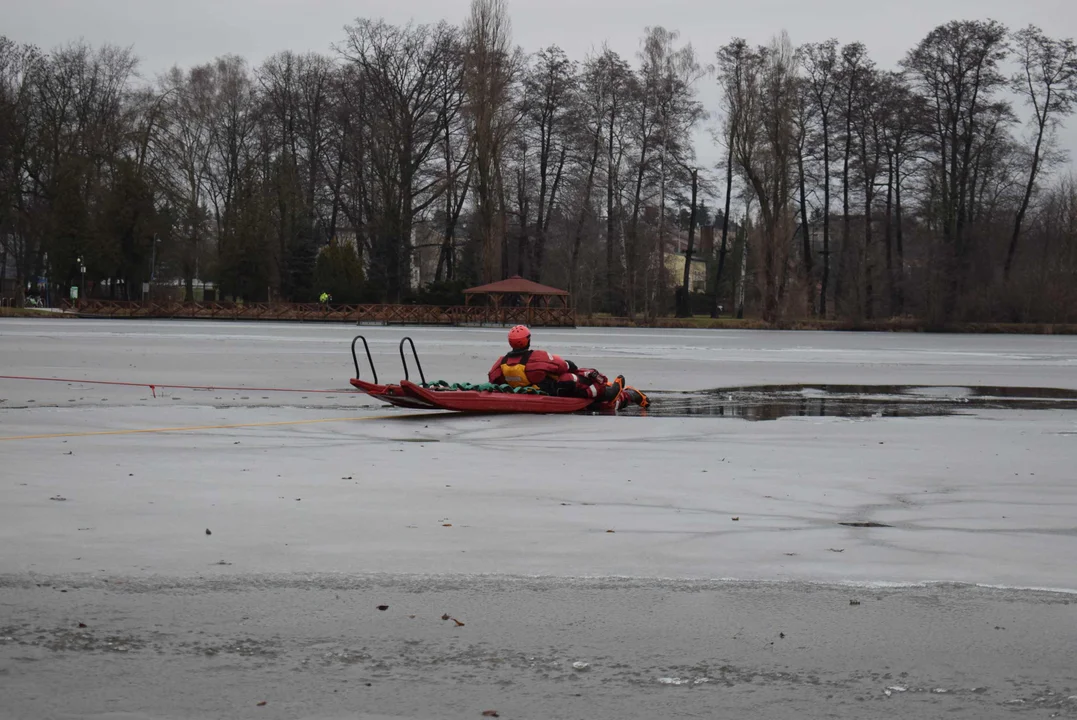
point(415, 160)
point(913, 191)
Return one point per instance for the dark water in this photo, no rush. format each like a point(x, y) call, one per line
point(770, 402)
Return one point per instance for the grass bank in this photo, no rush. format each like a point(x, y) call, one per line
point(29, 312)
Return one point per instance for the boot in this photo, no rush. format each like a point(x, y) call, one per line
point(609, 393)
point(636, 397)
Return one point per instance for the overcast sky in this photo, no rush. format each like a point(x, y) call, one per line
point(187, 32)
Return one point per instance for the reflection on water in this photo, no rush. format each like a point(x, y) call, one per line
point(770, 402)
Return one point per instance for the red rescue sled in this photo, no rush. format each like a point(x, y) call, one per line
point(437, 397)
point(392, 394)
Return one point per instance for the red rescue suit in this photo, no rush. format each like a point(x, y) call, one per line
point(547, 372)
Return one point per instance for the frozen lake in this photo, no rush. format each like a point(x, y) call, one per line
point(310, 355)
point(109, 484)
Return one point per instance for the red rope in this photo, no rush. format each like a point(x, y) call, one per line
point(153, 387)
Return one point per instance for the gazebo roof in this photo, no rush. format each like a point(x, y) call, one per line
point(514, 285)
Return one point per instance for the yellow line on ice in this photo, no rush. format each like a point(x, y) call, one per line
point(202, 427)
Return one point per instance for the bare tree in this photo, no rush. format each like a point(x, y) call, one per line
point(549, 93)
point(350, 138)
point(803, 121)
point(1048, 83)
point(854, 64)
point(184, 144)
point(236, 182)
point(869, 113)
point(956, 69)
point(764, 152)
point(20, 182)
point(590, 123)
point(298, 91)
point(820, 62)
point(608, 91)
point(457, 145)
point(491, 67)
point(405, 82)
point(904, 117)
point(668, 75)
point(733, 66)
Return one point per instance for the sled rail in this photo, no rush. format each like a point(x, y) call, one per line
point(370, 360)
point(415, 356)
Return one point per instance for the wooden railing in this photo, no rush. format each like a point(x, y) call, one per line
point(317, 312)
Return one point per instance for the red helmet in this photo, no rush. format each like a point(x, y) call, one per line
point(519, 337)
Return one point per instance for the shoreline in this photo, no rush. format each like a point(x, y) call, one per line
point(668, 323)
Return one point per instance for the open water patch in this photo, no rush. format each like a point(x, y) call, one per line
point(772, 402)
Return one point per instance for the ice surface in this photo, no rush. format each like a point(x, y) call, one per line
point(223, 548)
point(986, 498)
point(317, 356)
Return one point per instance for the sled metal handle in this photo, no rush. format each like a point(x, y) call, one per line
point(370, 360)
point(415, 355)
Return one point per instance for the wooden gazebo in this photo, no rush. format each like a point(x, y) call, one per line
point(516, 300)
point(505, 293)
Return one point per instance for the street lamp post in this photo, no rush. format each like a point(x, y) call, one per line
point(82, 288)
point(153, 262)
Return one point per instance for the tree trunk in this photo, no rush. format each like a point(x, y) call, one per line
point(611, 289)
point(869, 262)
point(725, 231)
point(743, 274)
point(805, 230)
point(500, 220)
point(454, 210)
point(843, 254)
point(870, 171)
point(522, 200)
point(486, 202)
point(1012, 250)
point(660, 290)
point(545, 147)
point(889, 231)
point(542, 224)
point(898, 236)
point(338, 180)
point(826, 217)
point(770, 279)
point(632, 240)
point(362, 201)
point(684, 302)
point(444, 263)
point(584, 207)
